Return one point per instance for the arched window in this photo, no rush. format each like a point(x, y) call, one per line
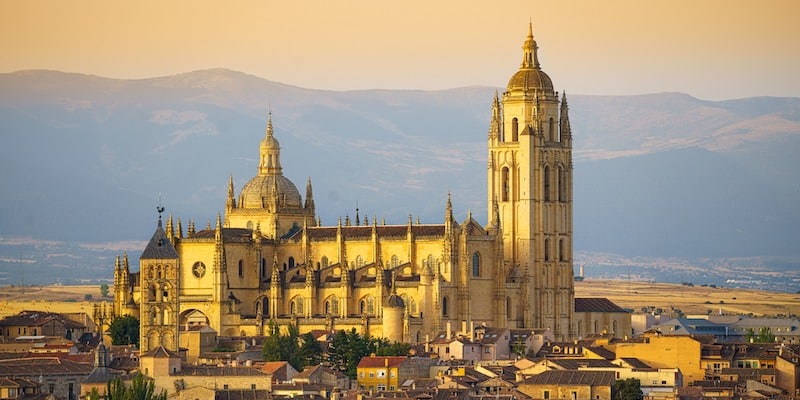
point(614, 326)
point(296, 306)
point(241, 268)
point(324, 261)
point(546, 192)
point(514, 130)
point(506, 185)
point(444, 306)
point(263, 268)
point(359, 261)
point(395, 261)
point(595, 327)
point(432, 263)
point(562, 250)
point(476, 265)
point(291, 262)
point(367, 305)
point(547, 249)
point(552, 129)
point(411, 305)
point(561, 189)
point(332, 305)
point(508, 308)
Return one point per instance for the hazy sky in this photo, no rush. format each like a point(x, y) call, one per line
point(712, 49)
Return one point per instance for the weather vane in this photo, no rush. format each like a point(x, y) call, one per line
point(159, 208)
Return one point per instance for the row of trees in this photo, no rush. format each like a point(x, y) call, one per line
point(344, 352)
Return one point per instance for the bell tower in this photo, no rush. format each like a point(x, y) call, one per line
point(530, 179)
point(158, 272)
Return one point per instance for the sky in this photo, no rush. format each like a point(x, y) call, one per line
point(710, 49)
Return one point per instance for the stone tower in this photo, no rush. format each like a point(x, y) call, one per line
point(158, 309)
point(530, 184)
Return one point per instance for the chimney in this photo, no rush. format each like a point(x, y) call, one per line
point(472, 329)
point(427, 343)
point(449, 331)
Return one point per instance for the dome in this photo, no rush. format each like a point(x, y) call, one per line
point(394, 301)
point(530, 79)
point(530, 75)
point(256, 192)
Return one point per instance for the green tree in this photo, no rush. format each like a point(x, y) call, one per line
point(124, 330)
point(384, 348)
point(104, 289)
point(280, 347)
point(627, 389)
point(764, 335)
point(310, 352)
point(346, 350)
point(140, 388)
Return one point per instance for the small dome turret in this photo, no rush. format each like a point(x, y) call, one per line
point(530, 75)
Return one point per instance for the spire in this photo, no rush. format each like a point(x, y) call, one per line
point(309, 195)
point(495, 213)
point(448, 208)
point(566, 131)
point(231, 201)
point(274, 278)
point(530, 57)
point(496, 123)
point(170, 232)
point(117, 271)
point(218, 227)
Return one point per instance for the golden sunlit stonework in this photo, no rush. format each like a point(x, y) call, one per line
point(268, 258)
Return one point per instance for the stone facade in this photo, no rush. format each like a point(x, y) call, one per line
point(269, 258)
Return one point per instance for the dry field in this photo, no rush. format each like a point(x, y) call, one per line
point(692, 300)
point(628, 294)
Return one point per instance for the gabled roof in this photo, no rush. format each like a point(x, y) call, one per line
point(592, 378)
point(577, 363)
point(635, 363)
point(160, 352)
point(241, 394)
point(381, 361)
point(159, 247)
point(588, 304)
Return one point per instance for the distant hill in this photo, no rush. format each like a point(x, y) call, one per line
point(85, 158)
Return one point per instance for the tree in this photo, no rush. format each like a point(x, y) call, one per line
point(104, 289)
point(124, 330)
point(627, 389)
point(280, 347)
point(346, 350)
point(764, 335)
point(141, 388)
point(310, 352)
point(384, 348)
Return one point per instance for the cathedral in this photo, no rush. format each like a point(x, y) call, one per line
point(269, 259)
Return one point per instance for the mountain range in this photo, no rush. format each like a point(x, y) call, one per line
point(88, 159)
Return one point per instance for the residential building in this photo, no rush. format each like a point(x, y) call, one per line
point(39, 323)
point(600, 316)
point(573, 385)
point(379, 373)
